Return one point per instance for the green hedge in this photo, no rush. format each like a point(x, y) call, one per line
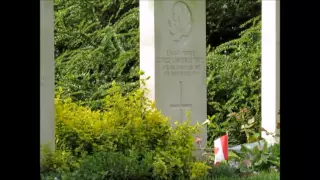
point(234, 87)
point(127, 124)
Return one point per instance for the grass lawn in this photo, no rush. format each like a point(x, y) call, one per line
point(260, 176)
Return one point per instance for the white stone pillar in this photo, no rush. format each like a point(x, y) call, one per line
point(47, 119)
point(270, 68)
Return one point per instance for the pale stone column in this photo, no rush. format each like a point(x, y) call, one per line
point(47, 119)
point(173, 54)
point(270, 68)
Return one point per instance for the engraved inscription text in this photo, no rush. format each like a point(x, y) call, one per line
point(180, 63)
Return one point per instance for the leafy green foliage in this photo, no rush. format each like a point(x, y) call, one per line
point(100, 165)
point(241, 127)
point(260, 158)
point(127, 123)
point(52, 164)
point(96, 42)
point(261, 162)
point(257, 176)
point(234, 85)
point(114, 165)
point(264, 176)
point(199, 170)
point(222, 171)
point(176, 157)
point(224, 18)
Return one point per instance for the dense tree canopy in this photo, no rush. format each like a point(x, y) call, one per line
point(97, 41)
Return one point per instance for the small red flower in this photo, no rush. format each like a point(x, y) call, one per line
point(198, 140)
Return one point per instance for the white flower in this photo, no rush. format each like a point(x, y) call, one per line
point(206, 122)
point(250, 121)
point(234, 164)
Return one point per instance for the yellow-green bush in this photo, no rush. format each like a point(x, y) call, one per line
point(127, 123)
point(52, 164)
point(199, 170)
